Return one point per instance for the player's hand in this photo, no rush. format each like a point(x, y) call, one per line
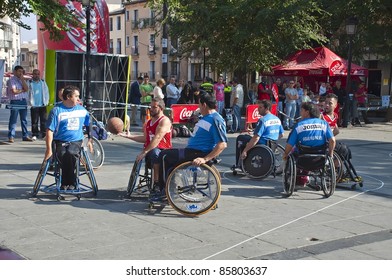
point(199, 161)
point(124, 134)
point(244, 155)
point(48, 154)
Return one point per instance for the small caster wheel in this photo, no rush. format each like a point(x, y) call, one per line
point(234, 172)
point(78, 197)
point(60, 197)
point(150, 205)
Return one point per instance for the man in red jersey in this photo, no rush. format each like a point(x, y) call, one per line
point(331, 101)
point(157, 136)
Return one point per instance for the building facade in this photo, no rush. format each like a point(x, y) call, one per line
point(9, 43)
point(29, 56)
point(117, 31)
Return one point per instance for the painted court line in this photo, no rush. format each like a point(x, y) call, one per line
point(297, 219)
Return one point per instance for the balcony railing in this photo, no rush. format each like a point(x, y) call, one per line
point(135, 50)
point(143, 23)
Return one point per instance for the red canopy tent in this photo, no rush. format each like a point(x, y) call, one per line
point(318, 64)
point(320, 61)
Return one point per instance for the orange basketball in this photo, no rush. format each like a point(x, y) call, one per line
point(115, 125)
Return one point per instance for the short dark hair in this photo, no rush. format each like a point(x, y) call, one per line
point(160, 102)
point(17, 67)
point(313, 109)
point(266, 104)
point(331, 95)
point(207, 98)
point(140, 78)
point(146, 76)
point(69, 90)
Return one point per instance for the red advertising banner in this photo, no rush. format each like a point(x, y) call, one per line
point(252, 112)
point(75, 37)
point(181, 113)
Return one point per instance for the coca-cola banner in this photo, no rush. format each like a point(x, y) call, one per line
point(252, 112)
point(75, 37)
point(181, 113)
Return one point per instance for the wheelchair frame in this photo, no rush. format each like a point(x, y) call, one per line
point(80, 188)
point(190, 190)
point(290, 174)
point(275, 151)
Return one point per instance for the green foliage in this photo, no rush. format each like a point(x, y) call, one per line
point(54, 16)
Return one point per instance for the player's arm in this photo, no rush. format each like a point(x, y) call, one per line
point(252, 142)
point(331, 146)
point(213, 154)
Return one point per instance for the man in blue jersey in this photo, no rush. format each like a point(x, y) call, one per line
point(207, 141)
point(311, 131)
point(65, 127)
point(269, 127)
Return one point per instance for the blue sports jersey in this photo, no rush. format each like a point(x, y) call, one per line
point(268, 127)
point(67, 123)
point(310, 132)
point(208, 132)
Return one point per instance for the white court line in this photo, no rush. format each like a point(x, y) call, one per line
point(297, 219)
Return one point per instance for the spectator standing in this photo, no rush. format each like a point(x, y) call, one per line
point(146, 89)
point(282, 97)
point(157, 92)
point(187, 96)
point(219, 94)
point(207, 85)
point(38, 100)
point(361, 97)
point(322, 89)
point(172, 92)
point(300, 92)
point(291, 104)
point(340, 92)
point(18, 93)
point(134, 98)
point(237, 100)
point(305, 96)
point(227, 90)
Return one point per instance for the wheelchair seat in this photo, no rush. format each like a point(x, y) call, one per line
point(83, 167)
point(311, 158)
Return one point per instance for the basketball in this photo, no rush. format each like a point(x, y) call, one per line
point(115, 125)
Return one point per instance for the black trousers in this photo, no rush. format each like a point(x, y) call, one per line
point(68, 154)
point(172, 157)
point(240, 145)
point(38, 115)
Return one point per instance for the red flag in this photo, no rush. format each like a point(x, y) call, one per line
point(275, 91)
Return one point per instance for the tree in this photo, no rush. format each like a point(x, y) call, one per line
point(54, 16)
point(239, 33)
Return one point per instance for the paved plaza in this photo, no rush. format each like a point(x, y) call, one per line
point(253, 221)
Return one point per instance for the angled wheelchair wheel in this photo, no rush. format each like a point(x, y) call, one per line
point(89, 171)
point(339, 166)
point(97, 155)
point(133, 179)
point(328, 177)
point(278, 159)
point(259, 162)
point(193, 190)
point(289, 176)
point(233, 126)
point(40, 177)
point(140, 180)
point(216, 172)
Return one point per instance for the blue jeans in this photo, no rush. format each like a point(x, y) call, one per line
point(237, 113)
point(290, 112)
point(171, 101)
point(220, 105)
point(22, 110)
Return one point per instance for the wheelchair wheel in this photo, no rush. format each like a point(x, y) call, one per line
point(289, 177)
point(328, 178)
point(233, 127)
point(89, 171)
point(278, 159)
point(193, 190)
point(40, 177)
point(138, 181)
point(133, 179)
point(339, 166)
point(216, 172)
point(259, 162)
point(97, 156)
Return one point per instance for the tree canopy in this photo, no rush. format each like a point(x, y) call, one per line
point(54, 16)
point(258, 33)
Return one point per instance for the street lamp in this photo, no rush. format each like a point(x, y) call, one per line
point(351, 28)
point(88, 5)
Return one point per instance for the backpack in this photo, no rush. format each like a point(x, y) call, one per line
point(99, 131)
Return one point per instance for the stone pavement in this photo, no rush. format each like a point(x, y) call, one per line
point(254, 220)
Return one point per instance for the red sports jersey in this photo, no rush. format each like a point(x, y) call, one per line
point(150, 131)
point(332, 121)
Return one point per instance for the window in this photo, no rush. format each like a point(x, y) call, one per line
point(111, 46)
point(135, 15)
point(174, 68)
point(135, 45)
point(152, 70)
point(118, 23)
point(127, 41)
point(127, 15)
point(151, 46)
point(111, 24)
point(118, 49)
point(23, 57)
point(135, 69)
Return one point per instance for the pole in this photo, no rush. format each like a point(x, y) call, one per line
point(164, 42)
point(348, 103)
point(89, 98)
point(204, 64)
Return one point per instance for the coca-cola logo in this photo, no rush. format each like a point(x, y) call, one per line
point(255, 114)
point(185, 114)
point(77, 35)
point(335, 66)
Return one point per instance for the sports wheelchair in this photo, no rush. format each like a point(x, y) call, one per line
point(191, 190)
point(52, 168)
point(261, 161)
point(231, 120)
point(314, 163)
point(347, 174)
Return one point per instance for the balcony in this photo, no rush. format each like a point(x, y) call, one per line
point(135, 50)
point(143, 23)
